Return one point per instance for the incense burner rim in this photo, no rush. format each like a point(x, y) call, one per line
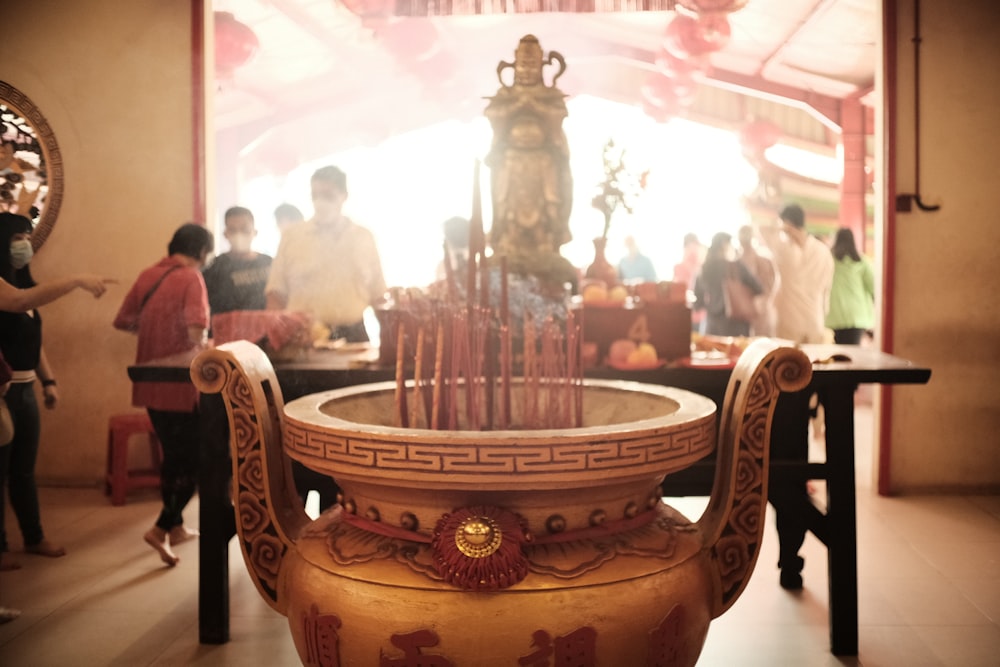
point(683, 406)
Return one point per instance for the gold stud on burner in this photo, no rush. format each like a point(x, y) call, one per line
point(478, 537)
point(408, 520)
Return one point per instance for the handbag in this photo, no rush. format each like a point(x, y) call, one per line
point(740, 302)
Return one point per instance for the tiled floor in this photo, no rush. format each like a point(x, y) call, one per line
point(929, 588)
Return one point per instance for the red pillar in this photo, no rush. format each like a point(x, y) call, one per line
point(855, 183)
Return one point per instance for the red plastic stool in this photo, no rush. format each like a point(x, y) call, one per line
point(119, 480)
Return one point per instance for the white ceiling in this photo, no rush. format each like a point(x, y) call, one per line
point(322, 80)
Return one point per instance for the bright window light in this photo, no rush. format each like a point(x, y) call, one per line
point(404, 189)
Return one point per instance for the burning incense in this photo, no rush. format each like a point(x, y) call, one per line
point(401, 419)
point(417, 378)
point(438, 376)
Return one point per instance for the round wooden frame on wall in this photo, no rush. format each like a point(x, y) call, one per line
point(22, 105)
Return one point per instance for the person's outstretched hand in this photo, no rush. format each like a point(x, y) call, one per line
point(96, 285)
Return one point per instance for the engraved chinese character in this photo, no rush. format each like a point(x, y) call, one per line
point(322, 640)
point(411, 644)
point(577, 649)
point(664, 639)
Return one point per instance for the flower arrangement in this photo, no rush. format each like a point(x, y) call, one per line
point(620, 187)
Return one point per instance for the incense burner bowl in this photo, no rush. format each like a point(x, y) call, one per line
point(514, 547)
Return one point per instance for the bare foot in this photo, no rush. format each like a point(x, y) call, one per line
point(180, 534)
point(6, 564)
point(45, 548)
point(157, 538)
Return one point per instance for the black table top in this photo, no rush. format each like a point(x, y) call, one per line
point(865, 365)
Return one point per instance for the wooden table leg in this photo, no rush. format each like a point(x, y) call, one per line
point(217, 523)
point(841, 523)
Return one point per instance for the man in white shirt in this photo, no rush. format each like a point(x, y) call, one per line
point(805, 269)
point(805, 266)
point(328, 266)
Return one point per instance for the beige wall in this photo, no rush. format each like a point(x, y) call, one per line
point(946, 435)
point(113, 80)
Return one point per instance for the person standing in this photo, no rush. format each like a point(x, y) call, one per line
point(687, 270)
point(286, 215)
point(761, 267)
point(806, 269)
point(852, 295)
point(235, 280)
point(328, 266)
point(634, 265)
point(21, 346)
point(167, 307)
point(709, 288)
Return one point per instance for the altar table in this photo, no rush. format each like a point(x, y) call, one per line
point(834, 381)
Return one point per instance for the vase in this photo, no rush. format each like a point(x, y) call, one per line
point(487, 548)
point(601, 268)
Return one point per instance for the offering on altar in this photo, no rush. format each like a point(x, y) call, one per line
point(282, 334)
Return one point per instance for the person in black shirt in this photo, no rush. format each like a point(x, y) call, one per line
point(236, 279)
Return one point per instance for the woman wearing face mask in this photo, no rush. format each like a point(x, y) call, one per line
point(21, 346)
point(167, 308)
point(235, 280)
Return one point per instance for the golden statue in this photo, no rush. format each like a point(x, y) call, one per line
point(529, 160)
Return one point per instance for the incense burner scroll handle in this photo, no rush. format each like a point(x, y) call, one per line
point(733, 522)
point(269, 514)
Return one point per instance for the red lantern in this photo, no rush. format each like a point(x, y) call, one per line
point(707, 6)
point(235, 44)
point(759, 135)
point(713, 28)
point(688, 37)
point(659, 98)
point(657, 113)
point(671, 66)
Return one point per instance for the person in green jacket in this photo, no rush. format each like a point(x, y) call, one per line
point(852, 296)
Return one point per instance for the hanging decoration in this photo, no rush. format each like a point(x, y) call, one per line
point(415, 45)
point(757, 136)
point(235, 44)
point(688, 36)
point(700, 28)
